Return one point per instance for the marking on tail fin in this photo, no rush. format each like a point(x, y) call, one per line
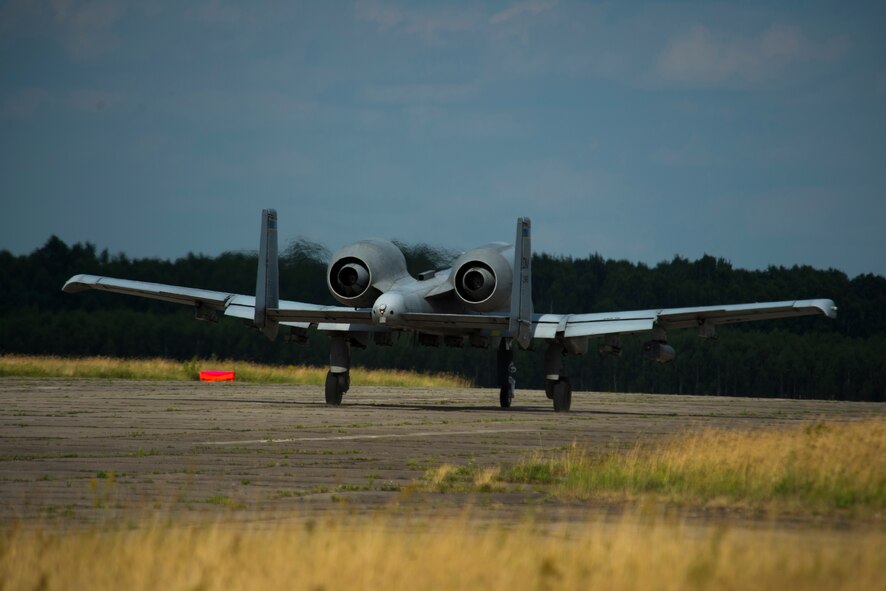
point(267, 284)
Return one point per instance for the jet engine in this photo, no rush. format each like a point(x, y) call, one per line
point(658, 352)
point(482, 277)
point(360, 272)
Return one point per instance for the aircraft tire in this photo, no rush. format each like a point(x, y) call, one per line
point(336, 384)
point(562, 395)
point(506, 395)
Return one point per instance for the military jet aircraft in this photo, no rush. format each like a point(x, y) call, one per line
point(485, 298)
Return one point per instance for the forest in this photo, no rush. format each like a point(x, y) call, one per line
point(842, 359)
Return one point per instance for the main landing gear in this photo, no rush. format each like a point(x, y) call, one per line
point(506, 369)
point(557, 387)
point(338, 379)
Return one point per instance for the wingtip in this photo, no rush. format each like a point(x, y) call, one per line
point(832, 310)
point(78, 283)
point(828, 307)
point(73, 285)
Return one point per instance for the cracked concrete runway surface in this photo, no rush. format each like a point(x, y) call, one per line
point(90, 449)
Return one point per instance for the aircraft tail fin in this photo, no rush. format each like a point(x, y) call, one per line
point(520, 324)
point(267, 283)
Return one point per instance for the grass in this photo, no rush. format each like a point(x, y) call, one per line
point(345, 551)
point(165, 369)
point(224, 501)
point(819, 468)
point(449, 478)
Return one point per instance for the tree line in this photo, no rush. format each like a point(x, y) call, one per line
point(802, 358)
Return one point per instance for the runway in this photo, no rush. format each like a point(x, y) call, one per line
point(91, 449)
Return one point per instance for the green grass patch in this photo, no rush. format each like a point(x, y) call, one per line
point(289, 493)
point(143, 453)
point(822, 467)
point(26, 366)
point(819, 468)
point(470, 478)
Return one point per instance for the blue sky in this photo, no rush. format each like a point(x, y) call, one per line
point(753, 131)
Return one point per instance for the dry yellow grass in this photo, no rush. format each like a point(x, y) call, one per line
point(817, 468)
point(345, 552)
point(165, 369)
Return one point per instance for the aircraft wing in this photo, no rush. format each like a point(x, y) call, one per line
point(544, 326)
point(288, 313)
point(549, 326)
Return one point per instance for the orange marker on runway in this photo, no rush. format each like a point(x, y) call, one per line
point(216, 376)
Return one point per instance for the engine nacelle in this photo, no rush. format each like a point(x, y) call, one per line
point(658, 352)
point(482, 277)
point(360, 272)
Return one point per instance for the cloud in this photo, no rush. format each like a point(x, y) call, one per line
point(384, 15)
point(702, 57)
point(214, 12)
point(521, 8)
point(428, 24)
point(439, 110)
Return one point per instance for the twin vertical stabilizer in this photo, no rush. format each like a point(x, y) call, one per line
point(267, 284)
point(520, 323)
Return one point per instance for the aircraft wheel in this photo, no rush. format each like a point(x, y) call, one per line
point(506, 395)
point(336, 385)
point(562, 395)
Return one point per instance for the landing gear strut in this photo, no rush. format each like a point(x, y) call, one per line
point(338, 379)
point(506, 382)
point(557, 387)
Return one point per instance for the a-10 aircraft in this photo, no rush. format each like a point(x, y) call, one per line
point(485, 298)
